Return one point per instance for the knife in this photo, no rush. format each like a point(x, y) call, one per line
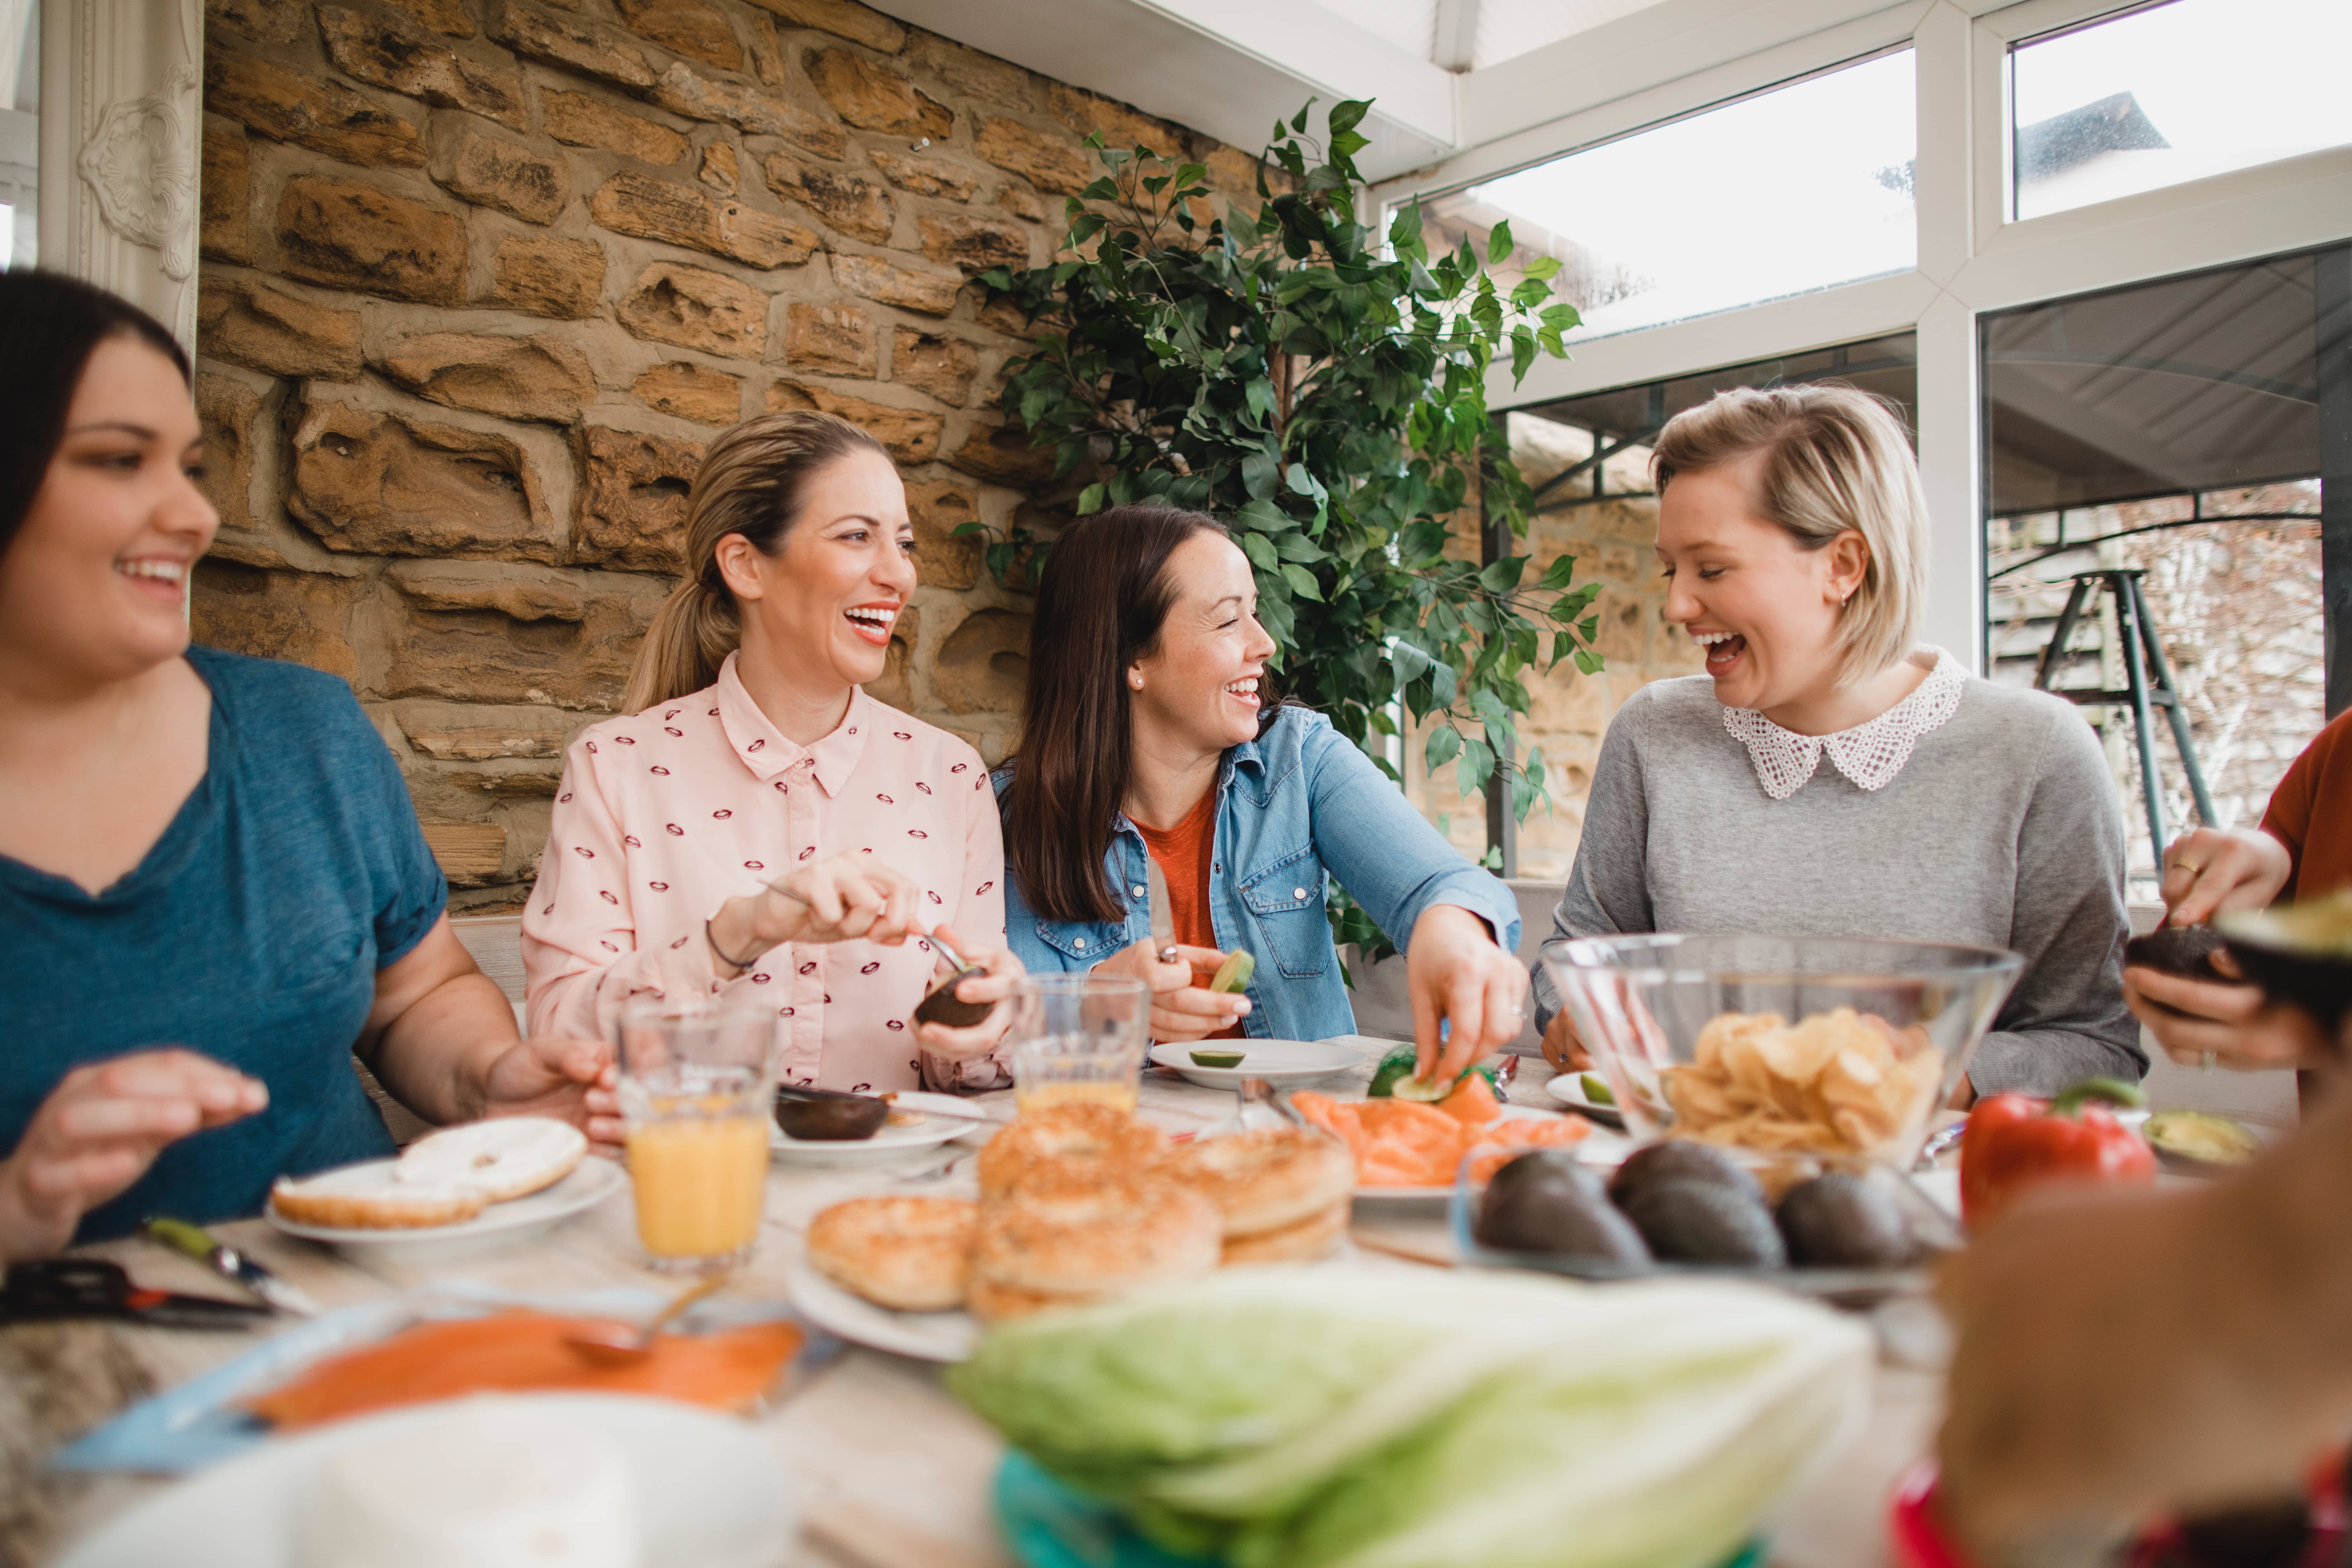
point(194, 1241)
point(54, 1287)
point(1164, 917)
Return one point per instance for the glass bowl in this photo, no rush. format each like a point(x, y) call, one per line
point(1837, 1049)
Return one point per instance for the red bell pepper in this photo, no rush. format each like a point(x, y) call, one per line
point(2015, 1141)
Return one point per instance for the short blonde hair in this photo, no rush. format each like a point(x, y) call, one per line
point(1835, 460)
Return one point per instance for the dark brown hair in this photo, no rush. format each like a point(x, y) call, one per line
point(49, 326)
point(750, 483)
point(1104, 594)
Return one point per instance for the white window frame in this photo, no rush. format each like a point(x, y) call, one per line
point(1684, 56)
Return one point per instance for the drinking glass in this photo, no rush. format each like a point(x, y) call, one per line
point(695, 1091)
point(1077, 1038)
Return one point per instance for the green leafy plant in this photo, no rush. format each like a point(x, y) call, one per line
point(1325, 393)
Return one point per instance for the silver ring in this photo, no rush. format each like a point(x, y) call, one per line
point(2205, 1060)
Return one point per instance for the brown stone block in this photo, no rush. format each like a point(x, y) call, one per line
point(392, 54)
point(489, 632)
point(693, 27)
point(983, 667)
point(692, 392)
point(926, 177)
point(970, 72)
point(454, 733)
point(224, 229)
point(941, 365)
point(351, 235)
point(767, 52)
point(324, 116)
point(939, 508)
point(449, 16)
point(547, 276)
point(586, 122)
point(875, 98)
point(1121, 126)
point(513, 782)
point(695, 308)
point(1022, 203)
point(384, 484)
point(1003, 314)
point(896, 689)
point(296, 616)
point(585, 47)
point(1001, 454)
point(836, 338)
point(540, 377)
point(471, 854)
point(1625, 630)
point(633, 499)
point(680, 215)
point(1047, 162)
point(720, 170)
point(875, 279)
point(491, 173)
point(228, 411)
point(1235, 173)
point(850, 203)
point(973, 243)
point(909, 435)
point(270, 21)
point(247, 322)
point(681, 91)
point(843, 19)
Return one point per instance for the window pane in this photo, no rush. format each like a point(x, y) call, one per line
point(1796, 189)
point(2176, 92)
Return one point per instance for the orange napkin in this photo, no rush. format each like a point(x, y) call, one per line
point(523, 1351)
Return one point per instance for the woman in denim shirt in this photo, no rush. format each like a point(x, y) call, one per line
point(1147, 739)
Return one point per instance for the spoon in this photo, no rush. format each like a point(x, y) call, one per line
point(621, 1346)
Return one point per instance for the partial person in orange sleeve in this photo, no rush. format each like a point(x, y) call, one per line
point(2303, 850)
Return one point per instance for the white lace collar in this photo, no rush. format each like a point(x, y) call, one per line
point(1870, 755)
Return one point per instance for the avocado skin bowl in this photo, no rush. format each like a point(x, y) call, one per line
point(828, 1116)
point(2298, 953)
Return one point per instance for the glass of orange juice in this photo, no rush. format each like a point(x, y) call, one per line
point(695, 1086)
point(1077, 1038)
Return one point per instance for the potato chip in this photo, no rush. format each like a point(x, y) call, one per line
point(1836, 1083)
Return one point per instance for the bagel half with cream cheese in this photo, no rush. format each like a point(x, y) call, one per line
point(502, 1158)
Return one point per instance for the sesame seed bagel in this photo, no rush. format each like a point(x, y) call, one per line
point(1078, 1237)
point(334, 1200)
point(908, 1253)
point(994, 1303)
point(1266, 1180)
point(1094, 1139)
point(1310, 1237)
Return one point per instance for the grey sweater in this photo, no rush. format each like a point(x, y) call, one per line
point(2002, 829)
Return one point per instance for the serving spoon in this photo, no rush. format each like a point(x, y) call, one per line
point(618, 1345)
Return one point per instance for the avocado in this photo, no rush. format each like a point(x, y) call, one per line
point(1681, 1160)
point(2186, 950)
point(829, 1116)
point(1557, 1208)
point(1843, 1221)
point(1706, 1222)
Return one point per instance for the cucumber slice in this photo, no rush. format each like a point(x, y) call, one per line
point(1234, 972)
point(1217, 1059)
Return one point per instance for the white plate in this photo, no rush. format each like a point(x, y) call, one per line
point(889, 1143)
point(1568, 1087)
point(508, 1223)
point(1282, 1062)
point(710, 1490)
point(1600, 1146)
point(925, 1336)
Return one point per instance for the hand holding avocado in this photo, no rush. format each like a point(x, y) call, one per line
point(1185, 1003)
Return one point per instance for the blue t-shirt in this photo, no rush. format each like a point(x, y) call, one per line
point(252, 933)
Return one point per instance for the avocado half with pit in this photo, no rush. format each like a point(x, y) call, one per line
point(828, 1116)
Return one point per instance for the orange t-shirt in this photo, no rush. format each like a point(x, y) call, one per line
point(2311, 814)
point(1184, 852)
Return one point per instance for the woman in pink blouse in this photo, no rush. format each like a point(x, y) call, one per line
point(757, 825)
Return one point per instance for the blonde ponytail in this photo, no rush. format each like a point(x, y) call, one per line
point(750, 483)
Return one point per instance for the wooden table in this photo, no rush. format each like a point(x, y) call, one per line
point(888, 1471)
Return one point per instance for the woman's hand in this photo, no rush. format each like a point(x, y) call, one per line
point(1458, 975)
point(2238, 1025)
point(1001, 970)
point(2210, 871)
point(100, 1130)
point(846, 898)
point(552, 1075)
point(1182, 1007)
point(1563, 1048)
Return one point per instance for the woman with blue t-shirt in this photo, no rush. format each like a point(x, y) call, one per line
point(212, 882)
point(1150, 741)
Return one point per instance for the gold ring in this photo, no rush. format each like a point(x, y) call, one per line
point(2192, 867)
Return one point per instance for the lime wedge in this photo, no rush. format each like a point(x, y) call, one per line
point(1217, 1059)
point(1428, 1091)
point(1596, 1089)
point(1234, 972)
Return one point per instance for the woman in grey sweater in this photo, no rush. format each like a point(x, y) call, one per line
point(1827, 775)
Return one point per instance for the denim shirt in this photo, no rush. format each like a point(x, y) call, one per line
point(1297, 803)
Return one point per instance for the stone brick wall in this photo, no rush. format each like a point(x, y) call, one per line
point(480, 280)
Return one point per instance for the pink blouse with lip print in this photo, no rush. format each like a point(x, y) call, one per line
point(663, 817)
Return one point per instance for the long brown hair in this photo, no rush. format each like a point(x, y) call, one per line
point(751, 482)
point(1104, 594)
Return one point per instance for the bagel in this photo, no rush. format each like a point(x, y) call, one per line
point(1308, 1239)
point(336, 1200)
point(994, 1303)
point(501, 1158)
point(1266, 1180)
point(908, 1253)
point(1094, 1138)
point(1095, 1239)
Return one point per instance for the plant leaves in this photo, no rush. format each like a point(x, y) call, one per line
point(1259, 474)
point(1302, 582)
point(1499, 244)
